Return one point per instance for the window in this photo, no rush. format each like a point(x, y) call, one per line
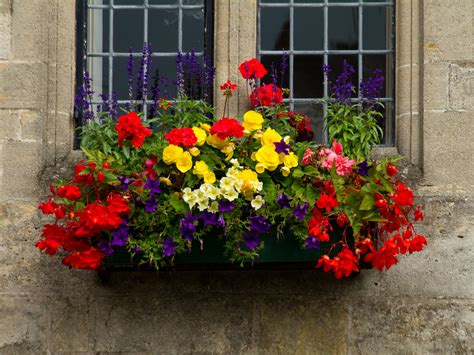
point(109, 28)
point(317, 32)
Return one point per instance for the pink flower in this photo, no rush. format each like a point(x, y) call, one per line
point(308, 154)
point(334, 157)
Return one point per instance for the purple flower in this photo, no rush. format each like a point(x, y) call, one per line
point(83, 101)
point(370, 89)
point(124, 181)
point(188, 226)
point(220, 221)
point(208, 218)
point(168, 247)
point(326, 69)
point(312, 243)
point(137, 250)
point(153, 185)
point(120, 235)
point(363, 168)
point(259, 224)
point(343, 87)
point(283, 67)
point(151, 204)
point(301, 210)
point(138, 201)
point(282, 147)
point(251, 240)
point(106, 104)
point(105, 247)
point(283, 201)
point(226, 206)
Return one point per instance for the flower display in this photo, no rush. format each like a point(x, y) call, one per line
point(153, 192)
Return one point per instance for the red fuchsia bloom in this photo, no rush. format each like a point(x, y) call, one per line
point(228, 87)
point(266, 95)
point(334, 157)
point(181, 136)
point(70, 192)
point(88, 260)
point(341, 219)
point(227, 127)
point(307, 156)
point(342, 265)
point(131, 127)
point(252, 69)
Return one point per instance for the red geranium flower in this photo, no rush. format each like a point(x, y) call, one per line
point(327, 202)
point(70, 192)
point(184, 136)
point(228, 87)
point(130, 127)
point(252, 69)
point(266, 95)
point(227, 127)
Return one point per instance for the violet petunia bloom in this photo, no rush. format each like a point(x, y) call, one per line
point(226, 205)
point(301, 210)
point(120, 235)
point(168, 247)
point(124, 181)
point(137, 250)
point(363, 168)
point(188, 226)
point(208, 218)
point(105, 247)
point(259, 224)
point(153, 185)
point(220, 221)
point(151, 204)
point(282, 147)
point(283, 201)
point(312, 243)
point(251, 240)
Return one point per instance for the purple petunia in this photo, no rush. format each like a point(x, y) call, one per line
point(363, 168)
point(153, 185)
point(251, 240)
point(301, 210)
point(208, 218)
point(226, 205)
point(105, 247)
point(283, 201)
point(259, 224)
point(312, 243)
point(188, 226)
point(124, 181)
point(282, 147)
point(151, 204)
point(120, 235)
point(168, 246)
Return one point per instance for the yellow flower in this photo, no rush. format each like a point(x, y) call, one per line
point(258, 135)
point(268, 157)
point(216, 142)
point(194, 151)
point(229, 150)
point(172, 153)
point(200, 135)
point(285, 171)
point(205, 127)
point(247, 176)
point(259, 168)
point(165, 180)
point(290, 160)
point(185, 162)
point(252, 120)
point(209, 177)
point(200, 168)
point(270, 136)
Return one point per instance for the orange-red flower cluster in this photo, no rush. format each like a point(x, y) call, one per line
point(181, 136)
point(227, 127)
point(131, 127)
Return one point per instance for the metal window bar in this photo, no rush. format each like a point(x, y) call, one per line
point(360, 52)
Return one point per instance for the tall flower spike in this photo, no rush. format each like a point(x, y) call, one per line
point(370, 89)
point(343, 87)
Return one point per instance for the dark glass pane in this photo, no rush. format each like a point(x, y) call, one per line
point(376, 20)
point(345, 1)
point(308, 76)
point(162, 2)
point(99, 31)
point(309, 28)
point(193, 2)
point(343, 28)
point(193, 29)
point(274, 1)
point(274, 28)
point(120, 76)
point(382, 62)
point(268, 60)
point(309, 1)
point(98, 69)
point(163, 30)
point(166, 67)
point(336, 63)
point(389, 1)
point(128, 2)
point(128, 30)
point(315, 112)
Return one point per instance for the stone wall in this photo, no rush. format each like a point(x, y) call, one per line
point(423, 305)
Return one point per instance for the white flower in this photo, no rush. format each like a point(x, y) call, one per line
point(203, 204)
point(235, 163)
point(229, 194)
point(257, 202)
point(227, 183)
point(189, 197)
point(213, 192)
point(256, 185)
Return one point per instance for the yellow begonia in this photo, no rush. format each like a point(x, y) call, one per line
point(205, 127)
point(216, 142)
point(259, 168)
point(268, 157)
point(247, 176)
point(200, 168)
point(228, 149)
point(185, 162)
point(285, 171)
point(209, 177)
point(270, 136)
point(172, 153)
point(290, 160)
point(252, 120)
point(200, 135)
point(194, 151)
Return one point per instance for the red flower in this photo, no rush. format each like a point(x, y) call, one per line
point(81, 177)
point(318, 226)
point(130, 127)
point(327, 202)
point(385, 257)
point(88, 259)
point(417, 243)
point(228, 87)
point(266, 95)
point(70, 192)
point(391, 170)
point(403, 196)
point(418, 214)
point(48, 207)
point(341, 219)
point(227, 127)
point(252, 69)
point(301, 123)
point(54, 236)
point(342, 265)
point(184, 136)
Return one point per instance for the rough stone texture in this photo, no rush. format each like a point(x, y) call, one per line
point(422, 305)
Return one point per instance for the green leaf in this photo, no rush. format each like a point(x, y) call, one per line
point(367, 202)
point(178, 204)
point(126, 151)
point(297, 173)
